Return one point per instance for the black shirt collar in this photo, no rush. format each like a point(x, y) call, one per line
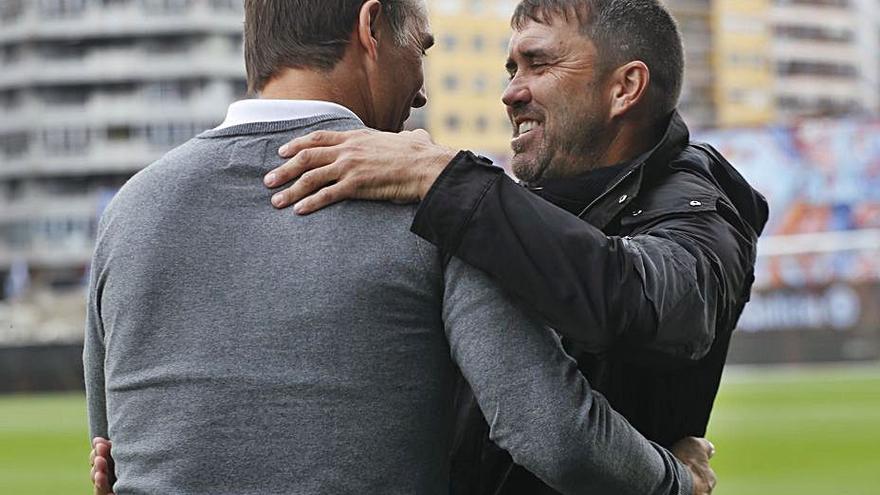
point(577, 193)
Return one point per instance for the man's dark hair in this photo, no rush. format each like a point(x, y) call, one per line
point(622, 31)
point(307, 33)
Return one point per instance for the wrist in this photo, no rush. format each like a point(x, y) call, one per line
point(438, 159)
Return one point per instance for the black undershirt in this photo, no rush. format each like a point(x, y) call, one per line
point(576, 193)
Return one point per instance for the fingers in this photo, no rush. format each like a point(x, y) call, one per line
point(99, 459)
point(316, 139)
point(325, 197)
point(319, 139)
point(102, 485)
point(422, 134)
point(710, 448)
point(303, 162)
point(102, 449)
point(308, 184)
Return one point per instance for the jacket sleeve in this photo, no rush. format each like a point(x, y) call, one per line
point(539, 407)
point(658, 291)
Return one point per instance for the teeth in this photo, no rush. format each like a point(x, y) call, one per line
point(527, 126)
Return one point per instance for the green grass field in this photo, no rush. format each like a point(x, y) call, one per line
point(778, 432)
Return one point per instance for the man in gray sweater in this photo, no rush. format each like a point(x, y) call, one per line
point(234, 348)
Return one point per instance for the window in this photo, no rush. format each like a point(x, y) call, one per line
point(450, 82)
point(808, 68)
point(747, 60)
point(453, 123)
point(238, 87)
point(479, 43)
point(72, 95)
point(822, 106)
point(236, 43)
point(228, 5)
point(62, 8)
point(64, 51)
point(119, 133)
point(480, 84)
point(168, 45)
point(63, 141)
point(815, 3)
point(450, 42)
point(9, 54)
point(9, 100)
point(171, 134)
point(166, 6)
point(814, 33)
point(11, 10)
point(482, 124)
point(14, 144)
point(175, 90)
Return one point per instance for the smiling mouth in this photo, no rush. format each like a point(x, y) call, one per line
point(525, 127)
point(523, 131)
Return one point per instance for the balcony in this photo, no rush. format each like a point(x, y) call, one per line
point(819, 51)
point(136, 109)
point(49, 231)
point(122, 65)
point(124, 20)
point(101, 157)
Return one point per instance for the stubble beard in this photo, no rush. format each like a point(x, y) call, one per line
point(564, 155)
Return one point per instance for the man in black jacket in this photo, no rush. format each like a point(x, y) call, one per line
point(635, 244)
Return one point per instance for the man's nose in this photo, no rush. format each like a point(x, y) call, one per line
point(421, 98)
point(516, 94)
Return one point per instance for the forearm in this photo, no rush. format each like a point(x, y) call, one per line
point(539, 407)
point(659, 291)
point(553, 261)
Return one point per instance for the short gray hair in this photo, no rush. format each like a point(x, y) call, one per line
point(623, 31)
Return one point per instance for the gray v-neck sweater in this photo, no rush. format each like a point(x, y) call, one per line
point(235, 348)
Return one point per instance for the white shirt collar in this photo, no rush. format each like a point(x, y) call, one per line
point(251, 111)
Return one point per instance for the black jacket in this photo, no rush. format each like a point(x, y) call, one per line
point(645, 285)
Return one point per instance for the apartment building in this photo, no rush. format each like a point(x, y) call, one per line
point(465, 75)
point(777, 61)
point(697, 103)
point(91, 91)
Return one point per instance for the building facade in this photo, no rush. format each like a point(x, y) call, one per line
point(697, 103)
point(91, 91)
point(779, 61)
point(465, 75)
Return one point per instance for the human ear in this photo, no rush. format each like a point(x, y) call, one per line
point(366, 28)
point(629, 84)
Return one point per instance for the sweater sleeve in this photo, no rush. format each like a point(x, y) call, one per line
point(539, 407)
